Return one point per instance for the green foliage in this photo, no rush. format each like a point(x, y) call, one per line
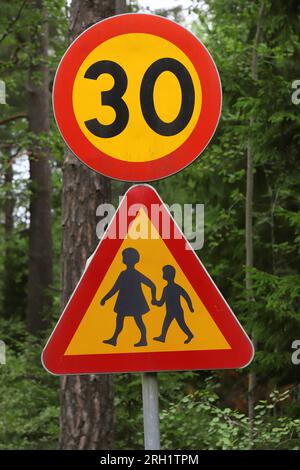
point(18, 50)
point(128, 402)
point(29, 397)
point(203, 424)
point(218, 177)
point(129, 413)
point(193, 416)
point(198, 410)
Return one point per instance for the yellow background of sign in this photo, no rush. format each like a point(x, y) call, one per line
point(135, 52)
point(99, 321)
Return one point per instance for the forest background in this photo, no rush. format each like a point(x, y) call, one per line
point(248, 180)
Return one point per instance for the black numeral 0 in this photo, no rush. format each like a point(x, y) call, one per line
point(111, 98)
point(114, 99)
point(187, 92)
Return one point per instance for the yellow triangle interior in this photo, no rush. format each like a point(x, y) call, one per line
point(99, 322)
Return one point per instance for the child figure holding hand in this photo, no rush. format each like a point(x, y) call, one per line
point(171, 296)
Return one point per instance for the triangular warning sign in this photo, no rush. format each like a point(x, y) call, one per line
point(145, 303)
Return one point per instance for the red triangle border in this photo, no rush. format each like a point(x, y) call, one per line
point(240, 354)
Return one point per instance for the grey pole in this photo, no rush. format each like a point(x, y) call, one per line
point(151, 411)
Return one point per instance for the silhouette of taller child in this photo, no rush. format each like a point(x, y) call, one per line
point(131, 301)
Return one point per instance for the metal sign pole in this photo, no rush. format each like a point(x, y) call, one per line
point(151, 411)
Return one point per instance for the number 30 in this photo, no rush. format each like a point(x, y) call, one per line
point(113, 97)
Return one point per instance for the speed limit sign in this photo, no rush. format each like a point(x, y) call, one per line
point(137, 97)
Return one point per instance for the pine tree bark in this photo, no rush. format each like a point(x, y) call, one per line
point(87, 409)
point(9, 274)
point(40, 233)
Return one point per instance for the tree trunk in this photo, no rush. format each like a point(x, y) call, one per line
point(87, 409)
point(9, 274)
point(249, 228)
point(40, 235)
point(120, 7)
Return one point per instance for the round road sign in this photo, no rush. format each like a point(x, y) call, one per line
point(137, 97)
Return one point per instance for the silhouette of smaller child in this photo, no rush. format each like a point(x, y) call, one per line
point(174, 311)
point(130, 301)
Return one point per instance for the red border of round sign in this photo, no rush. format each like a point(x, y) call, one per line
point(53, 358)
point(137, 171)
